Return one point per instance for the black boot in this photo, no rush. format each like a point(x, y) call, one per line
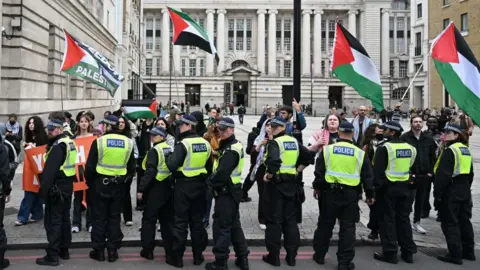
point(112, 255)
point(319, 259)
point(393, 259)
point(64, 254)
point(469, 255)
point(272, 259)
point(175, 260)
point(242, 263)
point(373, 235)
point(349, 266)
point(290, 258)
point(449, 259)
point(218, 264)
point(407, 257)
point(97, 255)
point(147, 254)
point(48, 260)
point(4, 264)
point(198, 258)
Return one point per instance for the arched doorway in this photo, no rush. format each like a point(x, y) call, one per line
point(241, 82)
point(239, 63)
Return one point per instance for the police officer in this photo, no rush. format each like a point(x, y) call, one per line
point(109, 163)
point(156, 191)
point(188, 164)
point(226, 184)
point(281, 192)
point(5, 189)
point(56, 187)
point(339, 170)
point(453, 196)
point(393, 161)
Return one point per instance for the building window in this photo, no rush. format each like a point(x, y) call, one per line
point(249, 34)
point(464, 23)
point(159, 65)
point(184, 67)
point(202, 67)
point(418, 67)
point(239, 34)
point(149, 35)
point(399, 5)
point(399, 92)
point(331, 33)
point(286, 44)
point(201, 22)
point(100, 10)
point(324, 36)
point(392, 69)
point(239, 44)
point(287, 68)
point(287, 28)
point(231, 33)
point(418, 44)
point(158, 35)
point(193, 67)
point(322, 70)
point(446, 2)
point(279, 44)
point(392, 48)
point(446, 22)
point(278, 68)
point(419, 11)
point(148, 68)
point(402, 70)
point(400, 45)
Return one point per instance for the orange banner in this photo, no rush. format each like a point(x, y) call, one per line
point(35, 158)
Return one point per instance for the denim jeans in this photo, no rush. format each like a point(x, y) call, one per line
point(31, 204)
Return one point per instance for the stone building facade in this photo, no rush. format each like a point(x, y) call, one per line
point(32, 53)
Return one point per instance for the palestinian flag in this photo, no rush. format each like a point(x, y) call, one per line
point(188, 32)
point(458, 69)
point(141, 112)
point(352, 65)
point(87, 63)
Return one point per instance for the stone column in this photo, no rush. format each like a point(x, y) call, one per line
point(395, 29)
point(406, 33)
point(306, 65)
point(272, 50)
point(327, 68)
point(177, 66)
point(352, 22)
point(261, 41)
point(210, 30)
point(362, 27)
point(317, 42)
point(165, 42)
point(385, 55)
point(221, 40)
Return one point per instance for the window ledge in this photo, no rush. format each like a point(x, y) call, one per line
point(446, 6)
point(464, 33)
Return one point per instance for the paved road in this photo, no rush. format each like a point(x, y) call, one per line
point(34, 233)
point(130, 259)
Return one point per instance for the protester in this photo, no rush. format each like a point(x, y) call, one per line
point(162, 122)
point(14, 131)
point(361, 123)
point(241, 113)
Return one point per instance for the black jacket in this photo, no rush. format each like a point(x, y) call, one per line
point(5, 187)
point(52, 175)
point(273, 161)
point(251, 139)
point(176, 159)
point(226, 164)
point(144, 140)
point(458, 186)
point(426, 147)
point(366, 175)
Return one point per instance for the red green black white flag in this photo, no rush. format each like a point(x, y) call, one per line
point(352, 65)
point(188, 32)
point(459, 70)
point(87, 63)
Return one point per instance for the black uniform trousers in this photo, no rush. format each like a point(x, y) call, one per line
point(455, 215)
point(158, 206)
point(78, 208)
point(280, 212)
point(247, 183)
point(395, 227)
point(3, 236)
point(107, 216)
point(127, 201)
point(341, 204)
point(373, 217)
point(261, 191)
point(140, 173)
point(189, 209)
point(57, 224)
point(227, 227)
point(420, 195)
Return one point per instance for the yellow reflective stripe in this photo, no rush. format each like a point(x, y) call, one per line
point(101, 153)
point(391, 159)
point(456, 167)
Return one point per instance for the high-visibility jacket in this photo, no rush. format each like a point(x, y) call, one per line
point(401, 157)
point(162, 150)
point(68, 166)
point(343, 162)
point(289, 152)
point(198, 153)
point(463, 159)
point(114, 151)
point(236, 175)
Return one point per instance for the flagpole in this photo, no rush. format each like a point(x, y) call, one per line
point(170, 81)
point(412, 80)
point(297, 36)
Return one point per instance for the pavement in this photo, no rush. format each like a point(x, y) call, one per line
point(33, 235)
point(130, 259)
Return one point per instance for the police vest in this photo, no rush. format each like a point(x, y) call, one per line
point(198, 153)
point(289, 152)
point(463, 159)
point(236, 175)
point(68, 166)
point(343, 163)
point(113, 154)
point(401, 157)
point(162, 150)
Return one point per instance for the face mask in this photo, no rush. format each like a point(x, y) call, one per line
point(12, 122)
point(379, 137)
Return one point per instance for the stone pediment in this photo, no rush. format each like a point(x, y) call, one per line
point(242, 69)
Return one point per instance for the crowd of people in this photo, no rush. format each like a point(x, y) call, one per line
point(182, 162)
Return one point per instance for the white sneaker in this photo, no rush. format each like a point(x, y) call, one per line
point(417, 228)
point(159, 228)
point(263, 227)
point(129, 223)
point(75, 229)
point(90, 229)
